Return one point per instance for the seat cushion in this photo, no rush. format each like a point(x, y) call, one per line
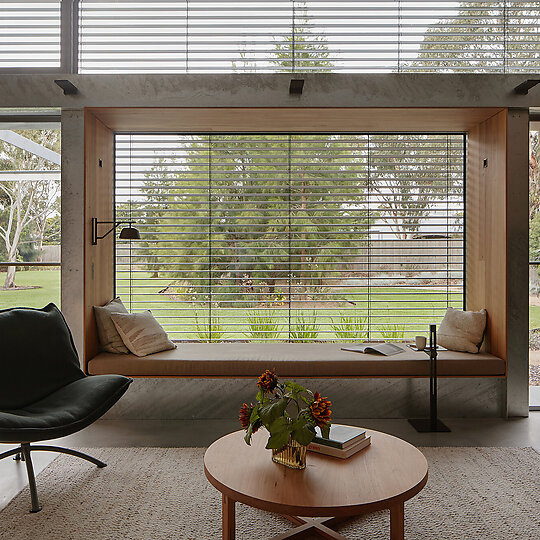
point(37, 355)
point(292, 360)
point(63, 412)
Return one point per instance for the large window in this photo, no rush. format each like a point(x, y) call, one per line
point(225, 36)
point(29, 207)
point(199, 36)
point(30, 34)
point(291, 237)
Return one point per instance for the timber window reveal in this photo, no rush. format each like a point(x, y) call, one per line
point(232, 36)
point(272, 237)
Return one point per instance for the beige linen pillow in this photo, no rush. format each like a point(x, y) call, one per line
point(109, 338)
point(141, 333)
point(462, 330)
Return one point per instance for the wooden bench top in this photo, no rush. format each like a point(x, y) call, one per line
point(323, 360)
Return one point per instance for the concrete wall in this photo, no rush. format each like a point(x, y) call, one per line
point(517, 398)
point(250, 90)
point(351, 398)
point(178, 398)
point(72, 296)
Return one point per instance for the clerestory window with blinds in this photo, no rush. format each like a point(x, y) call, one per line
point(30, 34)
point(291, 237)
point(225, 36)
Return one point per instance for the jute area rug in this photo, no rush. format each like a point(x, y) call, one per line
point(162, 493)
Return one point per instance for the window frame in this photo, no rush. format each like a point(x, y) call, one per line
point(462, 134)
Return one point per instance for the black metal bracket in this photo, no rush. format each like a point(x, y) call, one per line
point(525, 86)
point(67, 86)
point(95, 223)
point(431, 424)
point(296, 86)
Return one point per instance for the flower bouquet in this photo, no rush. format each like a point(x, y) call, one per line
point(290, 413)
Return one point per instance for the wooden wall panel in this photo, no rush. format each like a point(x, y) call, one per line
point(486, 228)
point(99, 259)
point(292, 119)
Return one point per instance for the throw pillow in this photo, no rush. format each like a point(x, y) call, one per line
point(141, 333)
point(109, 338)
point(462, 330)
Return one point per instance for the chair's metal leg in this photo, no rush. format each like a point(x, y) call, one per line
point(70, 452)
point(13, 452)
point(25, 448)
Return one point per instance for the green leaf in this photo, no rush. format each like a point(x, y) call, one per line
point(254, 415)
point(326, 431)
point(271, 412)
point(279, 425)
point(303, 431)
point(249, 432)
point(294, 387)
point(260, 396)
point(279, 440)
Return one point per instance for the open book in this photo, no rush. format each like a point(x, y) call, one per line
point(386, 349)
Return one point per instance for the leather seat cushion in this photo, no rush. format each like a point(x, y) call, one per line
point(65, 411)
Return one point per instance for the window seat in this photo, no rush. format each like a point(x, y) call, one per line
point(321, 360)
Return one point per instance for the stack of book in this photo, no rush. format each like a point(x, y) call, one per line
point(343, 442)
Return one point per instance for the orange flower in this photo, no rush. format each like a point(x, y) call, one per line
point(320, 409)
point(267, 381)
point(245, 415)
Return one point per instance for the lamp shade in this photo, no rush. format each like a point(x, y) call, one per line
point(130, 233)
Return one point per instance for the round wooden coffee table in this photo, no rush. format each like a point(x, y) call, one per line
point(384, 475)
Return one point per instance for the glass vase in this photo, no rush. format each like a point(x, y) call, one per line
point(292, 455)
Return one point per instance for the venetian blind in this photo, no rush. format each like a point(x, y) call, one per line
point(264, 237)
point(222, 36)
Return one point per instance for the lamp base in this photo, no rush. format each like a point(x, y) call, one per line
point(423, 425)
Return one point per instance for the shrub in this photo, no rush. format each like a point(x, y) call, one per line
point(263, 325)
point(209, 330)
point(392, 331)
point(350, 327)
point(305, 328)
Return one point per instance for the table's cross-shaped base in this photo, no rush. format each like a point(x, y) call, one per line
point(307, 527)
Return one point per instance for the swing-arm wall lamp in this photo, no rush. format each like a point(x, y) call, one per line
point(127, 233)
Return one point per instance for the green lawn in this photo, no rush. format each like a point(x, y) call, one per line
point(534, 316)
point(180, 322)
point(410, 309)
point(48, 282)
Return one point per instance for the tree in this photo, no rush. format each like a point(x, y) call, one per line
point(26, 205)
point(256, 181)
point(410, 175)
point(302, 50)
point(483, 36)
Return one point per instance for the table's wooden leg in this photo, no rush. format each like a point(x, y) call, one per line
point(227, 518)
point(397, 522)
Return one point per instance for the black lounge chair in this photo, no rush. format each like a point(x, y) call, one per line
point(44, 394)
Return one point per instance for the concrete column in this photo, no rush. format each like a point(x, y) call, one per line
point(517, 389)
point(72, 250)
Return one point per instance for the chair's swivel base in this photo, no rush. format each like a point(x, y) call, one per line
point(22, 453)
